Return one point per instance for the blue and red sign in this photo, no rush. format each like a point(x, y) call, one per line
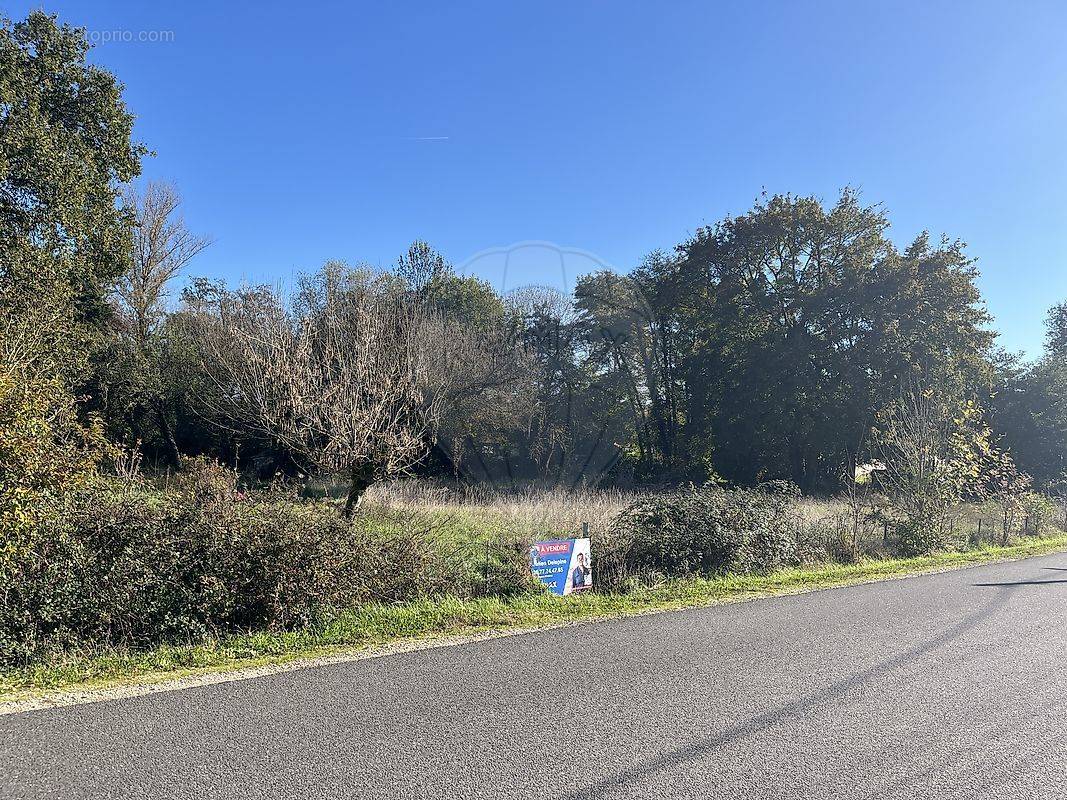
point(563, 565)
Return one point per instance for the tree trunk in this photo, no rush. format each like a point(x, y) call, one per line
point(446, 458)
point(170, 445)
point(361, 478)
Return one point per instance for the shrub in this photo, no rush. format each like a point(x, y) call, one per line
point(123, 564)
point(824, 539)
point(920, 536)
point(1041, 512)
point(936, 452)
point(43, 448)
point(711, 530)
point(45, 454)
point(501, 568)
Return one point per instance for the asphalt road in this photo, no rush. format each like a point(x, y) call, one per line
point(950, 685)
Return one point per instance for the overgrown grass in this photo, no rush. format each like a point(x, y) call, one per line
point(480, 511)
point(375, 625)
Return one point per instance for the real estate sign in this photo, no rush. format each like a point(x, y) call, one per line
point(563, 565)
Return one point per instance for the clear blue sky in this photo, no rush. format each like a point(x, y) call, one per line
point(293, 129)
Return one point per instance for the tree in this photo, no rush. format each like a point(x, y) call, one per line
point(934, 451)
point(65, 147)
point(654, 283)
point(1031, 407)
point(343, 378)
point(162, 247)
point(1056, 332)
point(45, 450)
point(798, 322)
point(481, 365)
point(561, 424)
point(422, 267)
point(628, 346)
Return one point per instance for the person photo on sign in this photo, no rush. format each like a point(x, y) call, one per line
point(580, 574)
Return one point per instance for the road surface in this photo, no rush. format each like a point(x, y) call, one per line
point(943, 686)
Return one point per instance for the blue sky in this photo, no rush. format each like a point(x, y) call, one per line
point(303, 132)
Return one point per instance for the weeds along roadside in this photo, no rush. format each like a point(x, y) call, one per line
point(130, 566)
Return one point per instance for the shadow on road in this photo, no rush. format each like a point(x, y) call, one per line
point(1021, 583)
point(789, 711)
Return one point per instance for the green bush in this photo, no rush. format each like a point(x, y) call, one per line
point(1041, 513)
point(920, 537)
point(825, 539)
point(123, 564)
point(711, 530)
point(44, 449)
point(501, 568)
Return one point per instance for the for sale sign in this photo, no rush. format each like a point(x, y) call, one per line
point(563, 565)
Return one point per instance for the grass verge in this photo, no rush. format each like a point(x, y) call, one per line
point(372, 627)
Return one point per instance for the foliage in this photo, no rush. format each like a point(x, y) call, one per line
point(937, 451)
point(1056, 332)
point(489, 400)
point(139, 394)
point(377, 624)
point(46, 454)
point(628, 338)
point(801, 321)
point(44, 447)
point(1040, 512)
point(711, 530)
point(44, 451)
point(1031, 407)
point(125, 564)
point(765, 346)
point(65, 145)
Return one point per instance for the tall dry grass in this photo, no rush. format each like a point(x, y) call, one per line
point(525, 513)
point(474, 515)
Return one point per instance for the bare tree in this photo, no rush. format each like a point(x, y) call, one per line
point(481, 376)
point(162, 247)
point(346, 377)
